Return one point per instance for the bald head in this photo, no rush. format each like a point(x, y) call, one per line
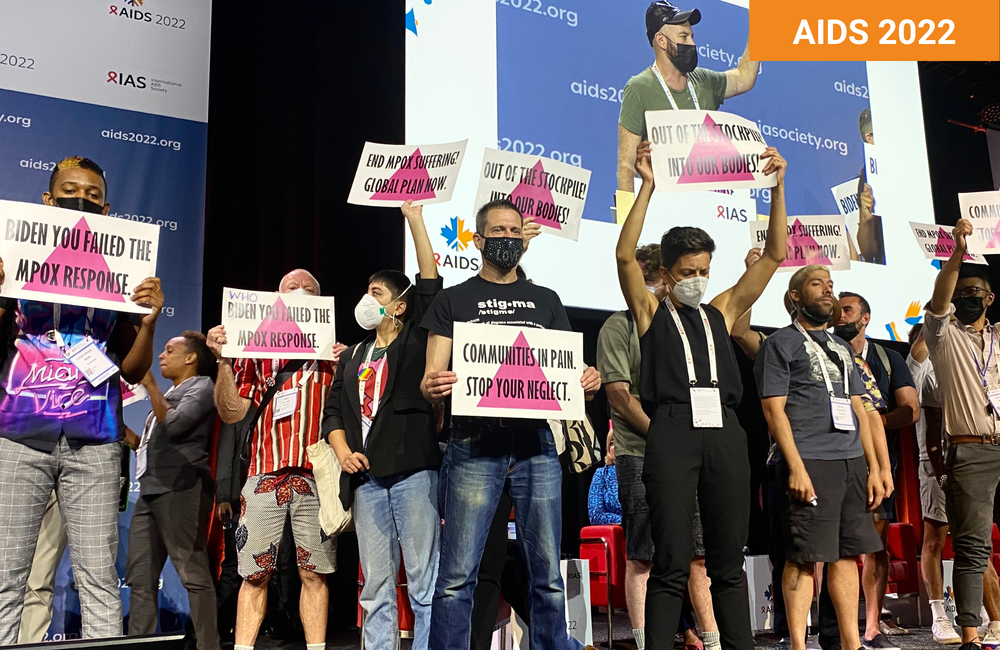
point(299, 279)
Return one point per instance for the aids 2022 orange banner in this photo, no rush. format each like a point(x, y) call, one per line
point(885, 30)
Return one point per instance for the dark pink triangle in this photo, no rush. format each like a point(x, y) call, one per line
point(67, 257)
point(529, 373)
point(270, 324)
point(946, 245)
point(712, 149)
point(408, 173)
point(800, 237)
point(539, 194)
point(995, 240)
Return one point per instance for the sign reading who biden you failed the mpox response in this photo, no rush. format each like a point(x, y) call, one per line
point(265, 325)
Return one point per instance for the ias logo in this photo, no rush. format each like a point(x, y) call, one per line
point(456, 234)
point(123, 79)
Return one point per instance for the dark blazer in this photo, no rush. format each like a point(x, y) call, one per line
point(177, 452)
point(403, 437)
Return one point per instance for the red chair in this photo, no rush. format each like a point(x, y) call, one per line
point(405, 611)
point(903, 568)
point(604, 546)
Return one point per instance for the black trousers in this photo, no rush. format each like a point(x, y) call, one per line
point(776, 553)
point(681, 460)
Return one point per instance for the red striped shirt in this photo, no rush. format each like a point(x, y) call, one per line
point(277, 444)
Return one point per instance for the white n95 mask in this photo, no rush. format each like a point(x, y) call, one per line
point(690, 291)
point(369, 312)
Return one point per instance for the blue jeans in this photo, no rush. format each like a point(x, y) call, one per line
point(387, 517)
point(476, 467)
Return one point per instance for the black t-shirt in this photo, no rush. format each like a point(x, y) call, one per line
point(480, 301)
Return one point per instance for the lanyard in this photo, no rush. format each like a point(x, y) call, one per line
point(822, 359)
point(670, 96)
point(864, 351)
point(56, 335)
point(688, 356)
point(982, 370)
point(376, 397)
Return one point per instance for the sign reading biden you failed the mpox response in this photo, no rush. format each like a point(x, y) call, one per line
point(706, 150)
point(265, 325)
point(75, 258)
point(517, 372)
point(391, 174)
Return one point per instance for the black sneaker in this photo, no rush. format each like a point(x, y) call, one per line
point(879, 642)
point(970, 646)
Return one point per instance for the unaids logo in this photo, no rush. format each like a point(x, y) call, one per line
point(913, 316)
point(411, 19)
point(456, 234)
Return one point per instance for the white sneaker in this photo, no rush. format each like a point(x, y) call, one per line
point(992, 637)
point(813, 643)
point(944, 632)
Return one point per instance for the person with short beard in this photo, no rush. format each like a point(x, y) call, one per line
point(827, 471)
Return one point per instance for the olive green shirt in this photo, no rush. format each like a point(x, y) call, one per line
point(618, 360)
point(643, 92)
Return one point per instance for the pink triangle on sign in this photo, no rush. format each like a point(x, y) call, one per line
point(946, 243)
point(994, 242)
point(271, 324)
point(800, 237)
point(540, 196)
point(713, 149)
point(68, 257)
point(526, 373)
point(407, 173)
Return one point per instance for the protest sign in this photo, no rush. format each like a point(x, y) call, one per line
point(552, 192)
point(871, 168)
point(811, 240)
point(132, 393)
point(706, 150)
point(517, 372)
point(848, 202)
point(75, 258)
point(937, 243)
point(391, 174)
point(264, 325)
point(983, 209)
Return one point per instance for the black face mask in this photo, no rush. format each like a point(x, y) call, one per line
point(79, 204)
point(813, 317)
point(503, 252)
point(968, 309)
point(684, 58)
point(847, 331)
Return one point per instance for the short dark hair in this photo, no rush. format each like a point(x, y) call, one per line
point(914, 333)
point(975, 271)
point(396, 282)
point(77, 162)
point(865, 307)
point(865, 123)
point(197, 343)
point(684, 240)
point(495, 204)
point(649, 257)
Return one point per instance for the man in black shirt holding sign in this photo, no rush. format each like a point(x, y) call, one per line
point(485, 454)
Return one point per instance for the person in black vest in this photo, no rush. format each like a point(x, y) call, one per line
point(385, 436)
point(689, 385)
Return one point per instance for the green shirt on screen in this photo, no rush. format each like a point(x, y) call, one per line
point(643, 92)
point(618, 360)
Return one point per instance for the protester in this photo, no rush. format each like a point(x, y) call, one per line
point(871, 241)
point(603, 506)
point(385, 437)
point(72, 450)
point(280, 482)
point(811, 396)
point(485, 454)
point(176, 490)
point(965, 365)
point(702, 444)
point(674, 81)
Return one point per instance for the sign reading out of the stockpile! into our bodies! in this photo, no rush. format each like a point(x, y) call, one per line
point(983, 209)
point(75, 258)
point(937, 243)
point(552, 192)
point(811, 240)
point(706, 150)
point(263, 325)
point(391, 174)
point(517, 372)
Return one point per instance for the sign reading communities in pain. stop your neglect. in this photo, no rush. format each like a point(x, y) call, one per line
point(75, 258)
point(264, 325)
point(517, 372)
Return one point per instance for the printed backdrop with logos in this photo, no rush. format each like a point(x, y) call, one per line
point(137, 104)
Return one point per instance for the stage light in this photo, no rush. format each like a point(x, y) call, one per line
point(990, 116)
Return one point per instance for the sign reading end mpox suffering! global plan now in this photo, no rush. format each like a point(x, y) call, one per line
point(517, 372)
point(265, 325)
point(811, 240)
point(391, 174)
point(75, 258)
point(706, 150)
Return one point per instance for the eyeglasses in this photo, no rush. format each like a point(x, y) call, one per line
point(972, 292)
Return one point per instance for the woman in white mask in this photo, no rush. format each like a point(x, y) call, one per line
point(385, 436)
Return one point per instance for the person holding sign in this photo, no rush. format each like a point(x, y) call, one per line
point(486, 453)
point(287, 397)
point(385, 436)
point(176, 490)
point(674, 81)
point(871, 243)
point(964, 354)
point(827, 470)
point(689, 387)
point(60, 424)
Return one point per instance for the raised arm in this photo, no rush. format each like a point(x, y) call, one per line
point(627, 144)
point(640, 301)
point(734, 302)
point(743, 77)
point(944, 285)
point(438, 380)
point(231, 406)
point(137, 344)
point(425, 253)
point(746, 338)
